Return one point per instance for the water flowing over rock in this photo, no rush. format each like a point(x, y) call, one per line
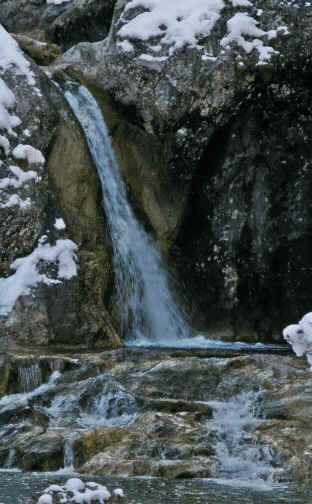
point(168, 413)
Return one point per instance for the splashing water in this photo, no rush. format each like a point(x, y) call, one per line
point(148, 309)
point(29, 377)
point(236, 447)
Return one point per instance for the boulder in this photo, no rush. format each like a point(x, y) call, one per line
point(43, 53)
point(64, 23)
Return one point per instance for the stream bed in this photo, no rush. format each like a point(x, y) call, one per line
point(22, 488)
point(226, 415)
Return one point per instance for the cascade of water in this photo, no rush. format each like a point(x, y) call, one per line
point(94, 402)
point(23, 398)
point(10, 461)
point(29, 377)
point(68, 453)
point(148, 309)
point(236, 448)
point(114, 406)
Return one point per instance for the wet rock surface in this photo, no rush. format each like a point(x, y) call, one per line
point(136, 412)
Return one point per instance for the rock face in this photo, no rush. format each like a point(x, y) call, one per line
point(52, 224)
point(232, 122)
point(84, 20)
point(169, 413)
point(64, 23)
point(212, 136)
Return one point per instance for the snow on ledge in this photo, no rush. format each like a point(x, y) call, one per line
point(20, 178)
point(177, 23)
point(174, 24)
point(29, 153)
point(27, 276)
point(242, 24)
point(11, 56)
point(57, 2)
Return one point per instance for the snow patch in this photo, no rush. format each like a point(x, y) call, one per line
point(241, 3)
point(241, 25)
point(45, 499)
point(75, 490)
point(32, 155)
point(15, 200)
point(299, 336)
point(125, 45)
point(175, 23)
point(20, 177)
point(149, 57)
point(118, 492)
point(59, 224)
point(178, 23)
point(12, 56)
point(27, 274)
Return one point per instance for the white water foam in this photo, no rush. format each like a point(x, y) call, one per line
point(23, 398)
point(241, 458)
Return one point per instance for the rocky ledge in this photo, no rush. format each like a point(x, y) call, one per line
point(172, 413)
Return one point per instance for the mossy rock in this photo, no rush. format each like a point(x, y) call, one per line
point(43, 53)
point(97, 440)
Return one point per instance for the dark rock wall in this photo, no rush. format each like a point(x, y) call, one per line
point(244, 248)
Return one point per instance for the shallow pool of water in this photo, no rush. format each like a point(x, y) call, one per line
point(25, 488)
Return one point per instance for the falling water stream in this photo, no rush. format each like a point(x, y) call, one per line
point(148, 309)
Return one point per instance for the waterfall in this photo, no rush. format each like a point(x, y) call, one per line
point(10, 461)
point(68, 453)
point(29, 377)
point(148, 309)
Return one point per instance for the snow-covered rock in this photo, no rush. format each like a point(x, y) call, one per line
point(46, 171)
point(299, 336)
point(75, 490)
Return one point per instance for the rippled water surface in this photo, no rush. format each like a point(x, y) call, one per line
point(25, 488)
